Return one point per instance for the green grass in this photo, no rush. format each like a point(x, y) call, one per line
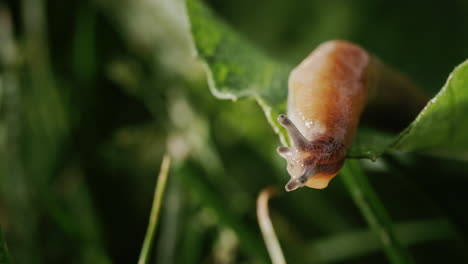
point(155, 209)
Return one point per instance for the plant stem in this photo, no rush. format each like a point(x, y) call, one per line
point(374, 212)
point(157, 200)
point(268, 231)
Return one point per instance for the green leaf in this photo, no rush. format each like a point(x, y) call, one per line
point(237, 69)
point(442, 125)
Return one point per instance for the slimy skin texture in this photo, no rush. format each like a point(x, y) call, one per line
point(327, 94)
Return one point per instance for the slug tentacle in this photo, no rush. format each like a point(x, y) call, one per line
point(283, 151)
point(296, 136)
point(301, 156)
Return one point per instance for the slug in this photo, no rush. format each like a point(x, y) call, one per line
point(327, 94)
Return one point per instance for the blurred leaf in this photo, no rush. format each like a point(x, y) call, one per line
point(4, 258)
point(84, 49)
point(359, 242)
point(374, 211)
point(249, 240)
point(236, 69)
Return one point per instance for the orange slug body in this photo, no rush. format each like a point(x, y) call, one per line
point(327, 94)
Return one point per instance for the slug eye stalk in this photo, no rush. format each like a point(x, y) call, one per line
point(299, 141)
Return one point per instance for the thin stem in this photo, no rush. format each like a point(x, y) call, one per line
point(268, 231)
point(374, 212)
point(157, 200)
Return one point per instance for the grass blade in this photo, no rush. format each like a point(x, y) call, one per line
point(374, 212)
point(4, 257)
point(157, 201)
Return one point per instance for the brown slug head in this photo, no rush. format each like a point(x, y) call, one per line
point(310, 163)
point(300, 161)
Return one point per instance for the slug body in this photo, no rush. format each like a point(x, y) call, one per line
point(327, 94)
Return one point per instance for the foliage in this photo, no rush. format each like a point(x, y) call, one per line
point(93, 93)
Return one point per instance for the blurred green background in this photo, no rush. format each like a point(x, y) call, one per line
point(94, 92)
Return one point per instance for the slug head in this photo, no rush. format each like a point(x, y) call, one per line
point(310, 163)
